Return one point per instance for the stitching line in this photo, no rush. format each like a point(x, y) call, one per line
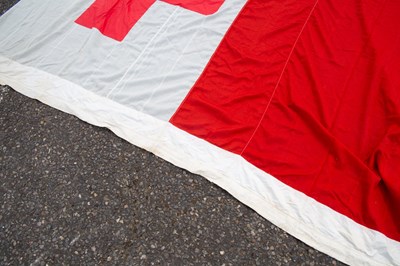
point(141, 54)
point(280, 77)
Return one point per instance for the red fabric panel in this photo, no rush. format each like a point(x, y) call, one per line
point(115, 18)
point(330, 126)
point(205, 7)
point(228, 99)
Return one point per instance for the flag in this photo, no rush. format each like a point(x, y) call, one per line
point(291, 106)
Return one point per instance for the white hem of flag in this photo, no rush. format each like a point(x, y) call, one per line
point(289, 209)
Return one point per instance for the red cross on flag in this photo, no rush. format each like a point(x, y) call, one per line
point(291, 106)
point(114, 18)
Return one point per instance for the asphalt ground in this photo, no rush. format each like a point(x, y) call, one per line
point(75, 194)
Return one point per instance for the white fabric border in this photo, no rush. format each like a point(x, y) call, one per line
point(289, 209)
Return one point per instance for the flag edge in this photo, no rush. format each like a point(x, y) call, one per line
point(165, 140)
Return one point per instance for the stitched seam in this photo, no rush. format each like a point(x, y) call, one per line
point(204, 73)
point(280, 77)
point(173, 67)
point(141, 54)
